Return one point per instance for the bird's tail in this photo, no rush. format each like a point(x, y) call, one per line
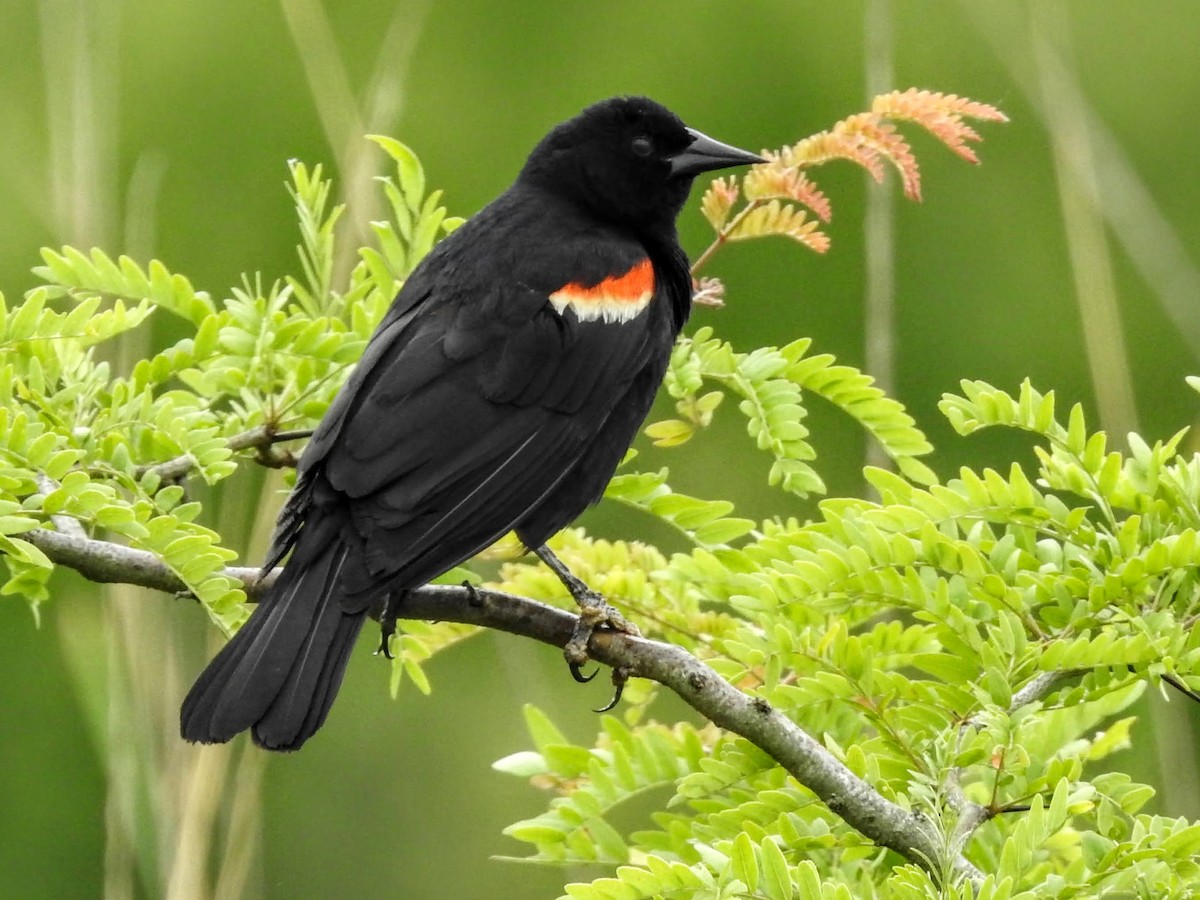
point(279, 674)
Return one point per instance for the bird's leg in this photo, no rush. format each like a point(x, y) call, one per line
point(387, 622)
point(594, 612)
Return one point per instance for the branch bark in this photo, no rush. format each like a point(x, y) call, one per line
point(972, 815)
point(847, 795)
point(262, 437)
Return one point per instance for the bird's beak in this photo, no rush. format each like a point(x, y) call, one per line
point(704, 154)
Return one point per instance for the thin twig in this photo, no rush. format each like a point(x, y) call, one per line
point(260, 437)
point(1041, 685)
point(1182, 688)
point(972, 815)
point(723, 235)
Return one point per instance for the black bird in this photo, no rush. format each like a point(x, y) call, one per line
point(499, 393)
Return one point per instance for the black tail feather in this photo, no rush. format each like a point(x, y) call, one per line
point(277, 731)
point(280, 672)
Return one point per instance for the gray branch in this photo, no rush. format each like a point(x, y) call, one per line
point(1040, 685)
point(66, 524)
point(972, 815)
point(847, 795)
point(261, 438)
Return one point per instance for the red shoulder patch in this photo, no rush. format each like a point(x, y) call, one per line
point(618, 298)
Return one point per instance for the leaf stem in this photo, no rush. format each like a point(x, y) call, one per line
point(723, 235)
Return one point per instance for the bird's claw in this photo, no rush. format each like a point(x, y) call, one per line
point(577, 673)
point(620, 675)
point(387, 625)
point(387, 629)
point(596, 614)
point(473, 597)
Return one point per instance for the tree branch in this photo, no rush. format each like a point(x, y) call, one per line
point(261, 437)
point(972, 815)
point(65, 524)
point(1041, 685)
point(846, 795)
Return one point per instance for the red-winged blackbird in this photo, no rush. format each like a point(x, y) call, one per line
point(499, 393)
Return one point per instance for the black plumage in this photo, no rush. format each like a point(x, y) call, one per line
point(499, 393)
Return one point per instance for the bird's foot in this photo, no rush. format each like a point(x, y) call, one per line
point(387, 623)
point(595, 614)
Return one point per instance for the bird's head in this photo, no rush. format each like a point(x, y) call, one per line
point(628, 160)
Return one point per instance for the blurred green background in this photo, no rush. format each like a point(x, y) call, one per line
point(162, 128)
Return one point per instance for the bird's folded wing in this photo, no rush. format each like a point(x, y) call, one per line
point(455, 428)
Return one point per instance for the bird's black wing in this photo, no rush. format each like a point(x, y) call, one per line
point(473, 402)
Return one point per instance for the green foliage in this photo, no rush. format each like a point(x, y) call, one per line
point(706, 523)
point(106, 449)
point(959, 644)
point(907, 632)
point(770, 383)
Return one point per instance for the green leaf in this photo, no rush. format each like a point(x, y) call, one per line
point(524, 764)
point(412, 175)
point(669, 432)
point(776, 882)
point(744, 862)
point(722, 531)
point(17, 524)
point(25, 552)
point(541, 729)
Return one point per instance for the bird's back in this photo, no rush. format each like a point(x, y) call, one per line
point(480, 407)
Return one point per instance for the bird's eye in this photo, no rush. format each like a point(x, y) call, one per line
point(642, 146)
